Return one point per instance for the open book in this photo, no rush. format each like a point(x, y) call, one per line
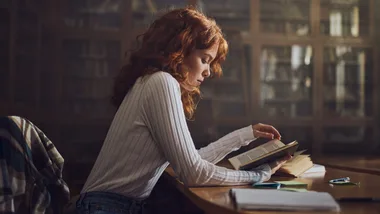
point(265, 153)
point(295, 167)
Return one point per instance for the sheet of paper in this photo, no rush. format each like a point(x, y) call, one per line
point(315, 169)
point(294, 189)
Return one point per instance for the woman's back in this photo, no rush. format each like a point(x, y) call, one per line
point(130, 162)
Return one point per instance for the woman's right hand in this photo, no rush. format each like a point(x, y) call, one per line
point(276, 165)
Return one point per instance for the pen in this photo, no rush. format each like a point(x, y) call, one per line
point(358, 199)
point(341, 179)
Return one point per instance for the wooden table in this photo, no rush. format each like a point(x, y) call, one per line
point(369, 165)
point(217, 199)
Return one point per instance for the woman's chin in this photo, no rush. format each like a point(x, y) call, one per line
point(190, 88)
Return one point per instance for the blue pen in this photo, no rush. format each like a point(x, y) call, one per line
point(346, 179)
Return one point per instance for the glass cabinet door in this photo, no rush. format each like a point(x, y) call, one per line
point(348, 75)
point(49, 81)
point(302, 134)
point(88, 72)
point(285, 17)
point(345, 18)
point(144, 12)
point(93, 14)
point(230, 90)
point(347, 139)
point(5, 26)
point(27, 39)
point(229, 14)
point(286, 77)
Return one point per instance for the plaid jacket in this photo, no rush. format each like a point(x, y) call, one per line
point(31, 170)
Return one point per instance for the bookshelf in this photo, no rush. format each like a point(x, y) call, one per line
point(306, 66)
point(5, 26)
point(20, 47)
point(310, 70)
point(91, 47)
point(62, 58)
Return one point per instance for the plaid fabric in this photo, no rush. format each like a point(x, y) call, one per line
point(31, 170)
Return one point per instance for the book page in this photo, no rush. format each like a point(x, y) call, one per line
point(295, 160)
point(259, 151)
point(272, 145)
point(297, 166)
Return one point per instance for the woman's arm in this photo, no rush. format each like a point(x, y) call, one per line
point(216, 151)
point(164, 115)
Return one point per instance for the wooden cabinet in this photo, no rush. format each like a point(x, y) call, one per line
point(286, 74)
point(229, 14)
point(63, 56)
point(285, 17)
point(308, 67)
point(310, 70)
point(91, 48)
point(5, 27)
point(144, 12)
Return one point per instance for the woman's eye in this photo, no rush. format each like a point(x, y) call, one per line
point(204, 61)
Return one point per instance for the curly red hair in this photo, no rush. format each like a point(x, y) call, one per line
point(165, 44)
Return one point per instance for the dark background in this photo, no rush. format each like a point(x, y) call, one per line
point(58, 59)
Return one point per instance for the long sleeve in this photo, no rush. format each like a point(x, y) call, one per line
point(216, 151)
point(164, 116)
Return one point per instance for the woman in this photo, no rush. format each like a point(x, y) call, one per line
point(155, 94)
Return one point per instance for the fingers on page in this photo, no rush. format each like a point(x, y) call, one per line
point(264, 134)
point(273, 130)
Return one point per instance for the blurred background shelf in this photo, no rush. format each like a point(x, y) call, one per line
point(308, 67)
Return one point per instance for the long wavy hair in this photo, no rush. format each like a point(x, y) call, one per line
point(165, 44)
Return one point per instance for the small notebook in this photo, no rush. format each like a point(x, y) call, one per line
point(292, 183)
point(259, 199)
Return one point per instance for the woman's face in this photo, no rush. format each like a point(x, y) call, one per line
point(197, 63)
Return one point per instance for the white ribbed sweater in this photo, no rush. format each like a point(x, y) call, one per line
point(148, 132)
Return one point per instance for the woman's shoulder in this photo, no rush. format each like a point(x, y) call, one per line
point(160, 79)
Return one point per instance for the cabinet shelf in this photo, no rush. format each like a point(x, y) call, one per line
point(101, 34)
point(276, 81)
point(346, 83)
point(284, 100)
point(227, 100)
point(227, 80)
point(93, 57)
point(346, 63)
point(282, 19)
point(66, 53)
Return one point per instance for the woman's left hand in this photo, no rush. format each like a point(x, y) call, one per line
point(265, 131)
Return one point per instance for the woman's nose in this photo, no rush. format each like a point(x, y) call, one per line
point(207, 72)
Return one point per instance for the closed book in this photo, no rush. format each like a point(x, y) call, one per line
point(259, 199)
